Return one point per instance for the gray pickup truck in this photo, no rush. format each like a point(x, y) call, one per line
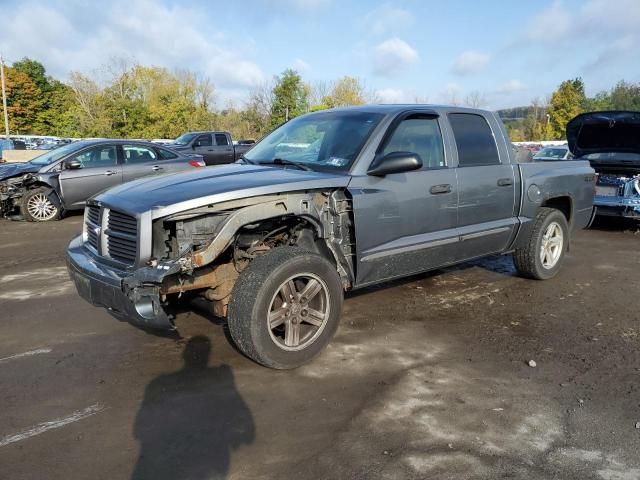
point(329, 202)
point(215, 147)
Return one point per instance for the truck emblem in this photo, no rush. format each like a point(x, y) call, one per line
point(96, 230)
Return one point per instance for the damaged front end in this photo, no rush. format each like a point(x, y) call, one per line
point(11, 191)
point(618, 195)
point(611, 142)
point(133, 266)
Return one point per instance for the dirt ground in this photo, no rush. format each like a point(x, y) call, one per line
point(426, 378)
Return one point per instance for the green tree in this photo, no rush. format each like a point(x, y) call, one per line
point(289, 98)
point(22, 101)
point(566, 102)
point(51, 100)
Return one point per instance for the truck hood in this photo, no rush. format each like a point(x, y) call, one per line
point(9, 170)
point(604, 132)
point(167, 194)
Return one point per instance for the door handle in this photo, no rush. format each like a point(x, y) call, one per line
point(505, 182)
point(155, 168)
point(437, 189)
point(108, 173)
point(228, 150)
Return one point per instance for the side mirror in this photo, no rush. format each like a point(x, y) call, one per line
point(395, 162)
point(72, 165)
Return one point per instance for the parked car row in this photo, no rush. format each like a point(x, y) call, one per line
point(64, 178)
point(329, 202)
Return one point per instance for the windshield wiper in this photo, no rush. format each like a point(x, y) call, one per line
point(282, 161)
point(246, 160)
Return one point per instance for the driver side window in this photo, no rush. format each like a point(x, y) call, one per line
point(203, 141)
point(421, 135)
point(102, 156)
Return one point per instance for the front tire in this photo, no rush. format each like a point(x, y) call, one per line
point(285, 307)
point(38, 207)
point(541, 257)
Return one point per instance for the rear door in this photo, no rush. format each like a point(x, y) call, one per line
point(487, 183)
point(406, 222)
point(99, 170)
point(223, 149)
point(140, 161)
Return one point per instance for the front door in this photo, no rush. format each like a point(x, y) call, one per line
point(406, 222)
point(98, 170)
point(487, 185)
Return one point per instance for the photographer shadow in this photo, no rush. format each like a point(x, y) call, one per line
point(191, 421)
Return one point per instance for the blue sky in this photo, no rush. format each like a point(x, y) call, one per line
point(437, 51)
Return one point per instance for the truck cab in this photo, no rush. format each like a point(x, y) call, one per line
point(216, 148)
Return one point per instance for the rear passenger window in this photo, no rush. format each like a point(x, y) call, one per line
point(221, 139)
point(475, 142)
point(418, 134)
point(138, 154)
point(166, 154)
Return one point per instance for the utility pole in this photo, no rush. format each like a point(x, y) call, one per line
point(4, 99)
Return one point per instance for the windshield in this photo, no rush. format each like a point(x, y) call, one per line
point(185, 139)
point(551, 153)
point(325, 140)
point(57, 154)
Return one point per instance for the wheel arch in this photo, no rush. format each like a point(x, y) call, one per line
point(563, 203)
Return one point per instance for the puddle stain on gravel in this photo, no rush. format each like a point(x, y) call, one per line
point(39, 283)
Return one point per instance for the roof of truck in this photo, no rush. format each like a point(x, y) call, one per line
point(401, 107)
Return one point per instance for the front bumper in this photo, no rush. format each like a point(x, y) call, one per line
point(627, 207)
point(108, 287)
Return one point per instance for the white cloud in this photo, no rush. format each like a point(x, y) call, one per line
point(603, 28)
point(386, 19)
point(470, 62)
point(391, 95)
point(152, 33)
point(392, 56)
point(551, 24)
point(512, 86)
point(300, 65)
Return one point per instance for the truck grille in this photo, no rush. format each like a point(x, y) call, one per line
point(93, 226)
point(112, 234)
point(122, 237)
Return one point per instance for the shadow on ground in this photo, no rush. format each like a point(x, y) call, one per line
point(191, 421)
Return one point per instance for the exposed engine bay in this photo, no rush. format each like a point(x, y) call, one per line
point(618, 193)
point(12, 190)
point(205, 249)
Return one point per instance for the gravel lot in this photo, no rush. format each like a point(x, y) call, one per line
point(426, 378)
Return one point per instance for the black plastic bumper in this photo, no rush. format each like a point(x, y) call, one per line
point(104, 286)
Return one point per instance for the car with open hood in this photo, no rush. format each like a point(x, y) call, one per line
point(329, 202)
point(610, 141)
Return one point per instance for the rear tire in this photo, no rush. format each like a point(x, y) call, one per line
point(285, 307)
point(36, 206)
point(542, 255)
